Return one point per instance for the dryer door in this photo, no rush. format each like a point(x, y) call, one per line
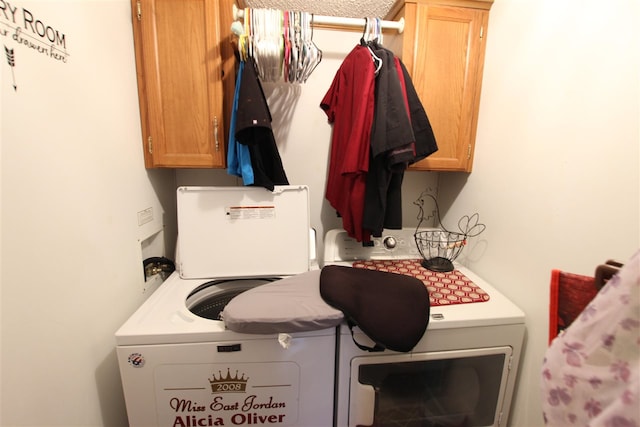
point(448, 388)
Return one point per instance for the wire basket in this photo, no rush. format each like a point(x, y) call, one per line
point(439, 248)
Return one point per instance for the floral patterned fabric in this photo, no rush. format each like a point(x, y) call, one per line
point(591, 371)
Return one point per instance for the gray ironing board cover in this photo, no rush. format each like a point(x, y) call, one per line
point(292, 304)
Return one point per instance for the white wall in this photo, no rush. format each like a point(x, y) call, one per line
point(73, 181)
point(556, 174)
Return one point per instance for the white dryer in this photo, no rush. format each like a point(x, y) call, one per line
point(461, 373)
point(180, 365)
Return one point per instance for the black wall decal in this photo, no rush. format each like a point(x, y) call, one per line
point(25, 29)
point(11, 60)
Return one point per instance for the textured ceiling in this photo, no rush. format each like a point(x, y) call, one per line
point(346, 8)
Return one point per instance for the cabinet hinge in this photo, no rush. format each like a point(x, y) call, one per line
point(150, 144)
point(469, 152)
point(138, 10)
point(481, 29)
point(215, 133)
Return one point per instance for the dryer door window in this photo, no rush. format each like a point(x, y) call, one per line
point(462, 388)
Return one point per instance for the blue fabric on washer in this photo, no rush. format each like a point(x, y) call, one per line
point(292, 304)
point(238, 156)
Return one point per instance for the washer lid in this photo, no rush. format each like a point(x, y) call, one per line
point(243, 231)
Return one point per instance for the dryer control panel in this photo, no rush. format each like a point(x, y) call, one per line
point(393, 244)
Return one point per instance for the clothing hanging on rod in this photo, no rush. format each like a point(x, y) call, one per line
point(349, 106)
point(253, 153)
point(379, 128)
point(238, 155)
point(281, 42)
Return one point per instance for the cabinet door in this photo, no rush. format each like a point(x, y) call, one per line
point(447, 63)
point(179, 67)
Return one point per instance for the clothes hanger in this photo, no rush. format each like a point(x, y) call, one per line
point(311, 53)
point(267, 45)
point(287, 46)
point(244, 40)
point(316, 49)
point(378, 38)
point(296, 45)
point(363, 39)
point(366, 42)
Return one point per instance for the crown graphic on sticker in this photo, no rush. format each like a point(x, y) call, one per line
point(228, 384)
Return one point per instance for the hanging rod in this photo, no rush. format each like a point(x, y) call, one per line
point(337, 21)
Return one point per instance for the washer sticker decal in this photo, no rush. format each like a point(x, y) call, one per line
point(265, 393)
point(136, 360)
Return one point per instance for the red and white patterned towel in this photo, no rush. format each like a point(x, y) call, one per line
point(448, 288)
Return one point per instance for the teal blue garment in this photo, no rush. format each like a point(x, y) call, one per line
point(238, 157)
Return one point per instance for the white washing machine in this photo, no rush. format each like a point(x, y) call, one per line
point(461, 373)
point(180, 365)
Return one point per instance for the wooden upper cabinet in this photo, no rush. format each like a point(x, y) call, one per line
point(443, 46)
point(180, 72)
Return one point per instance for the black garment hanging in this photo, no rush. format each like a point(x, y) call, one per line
point(425, 139)
point(391, 129)
point(391, 150)
point(253, 128)
point(401, 135)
